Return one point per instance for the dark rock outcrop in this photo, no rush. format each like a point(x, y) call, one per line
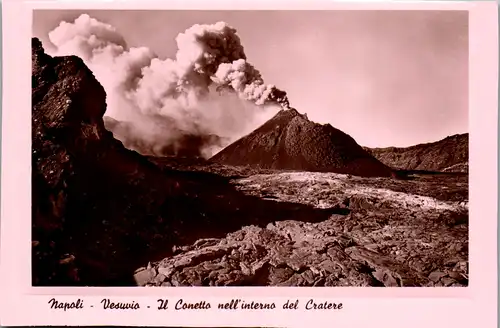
point(450, 154)
point(289, 141)
point(88, 192)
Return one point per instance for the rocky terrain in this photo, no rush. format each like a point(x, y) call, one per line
point(383, 233)
point(107, 216)
point(448, 155)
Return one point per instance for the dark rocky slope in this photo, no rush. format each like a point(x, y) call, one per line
point(289, 141)
point(450, 154)
point(88, 191)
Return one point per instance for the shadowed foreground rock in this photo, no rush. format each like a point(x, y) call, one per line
point(107, 216)
point(88, 192)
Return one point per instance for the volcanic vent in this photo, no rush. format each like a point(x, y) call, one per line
point(289, 141)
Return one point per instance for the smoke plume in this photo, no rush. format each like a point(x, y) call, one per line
point(192, 105)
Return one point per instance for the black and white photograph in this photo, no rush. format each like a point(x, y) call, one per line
point(319, 148)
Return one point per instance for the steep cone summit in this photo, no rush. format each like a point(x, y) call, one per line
point(289, 141)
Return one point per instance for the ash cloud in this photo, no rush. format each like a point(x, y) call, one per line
point(195, 104)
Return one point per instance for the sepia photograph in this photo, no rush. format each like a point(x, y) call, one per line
point(319, 148)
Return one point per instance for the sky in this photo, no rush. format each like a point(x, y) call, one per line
point(387, 78)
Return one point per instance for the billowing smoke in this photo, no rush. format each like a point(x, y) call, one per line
point(193, 105)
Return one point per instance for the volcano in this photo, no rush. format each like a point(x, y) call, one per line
point(290, 141)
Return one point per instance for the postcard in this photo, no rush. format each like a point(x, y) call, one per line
point(276, 164)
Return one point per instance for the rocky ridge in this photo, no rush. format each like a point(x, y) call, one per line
point(450, 154)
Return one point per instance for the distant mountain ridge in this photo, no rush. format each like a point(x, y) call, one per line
point(185, 145)
point(450, 154)
point(290, 141)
